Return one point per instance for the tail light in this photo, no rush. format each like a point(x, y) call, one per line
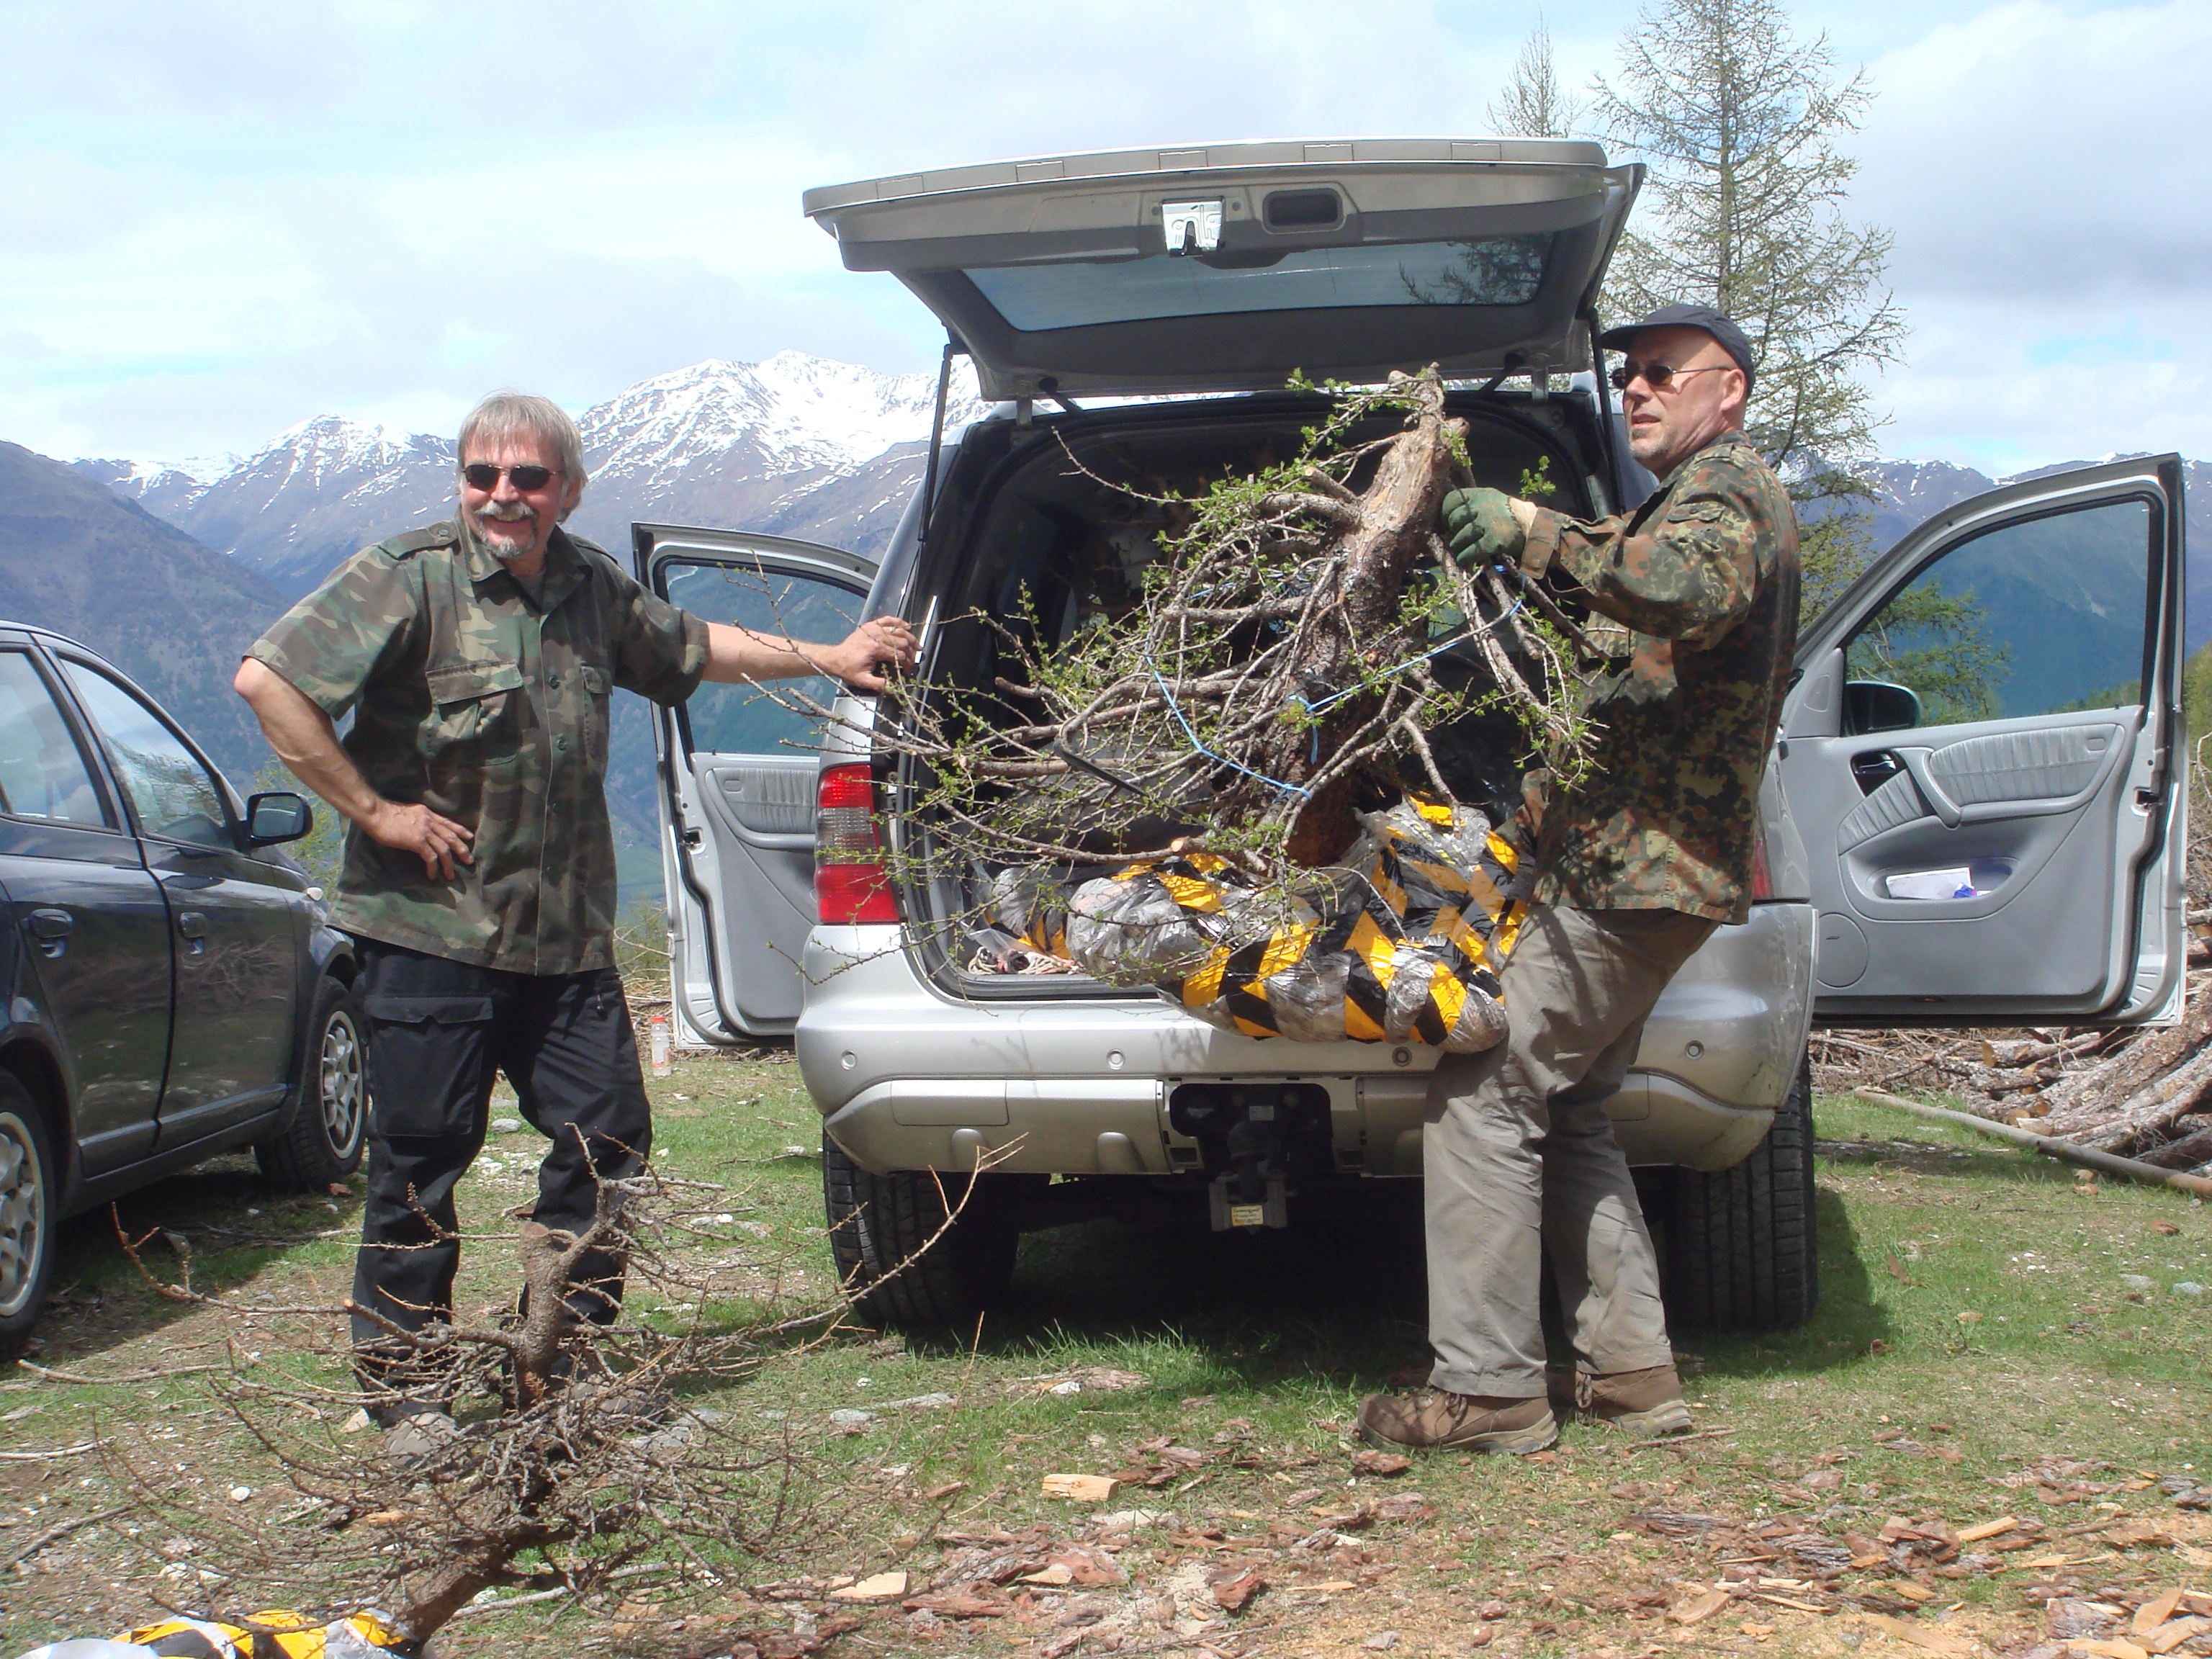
point(851, 886)
point(1762, 876)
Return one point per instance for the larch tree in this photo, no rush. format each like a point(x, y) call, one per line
point(1533, 104)
point(1748, 210)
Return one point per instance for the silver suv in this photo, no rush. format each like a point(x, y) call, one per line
point(1973, 816)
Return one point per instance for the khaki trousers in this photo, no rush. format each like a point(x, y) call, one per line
point(1519, 1156)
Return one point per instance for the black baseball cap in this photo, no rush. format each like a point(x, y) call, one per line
point(1723, 330)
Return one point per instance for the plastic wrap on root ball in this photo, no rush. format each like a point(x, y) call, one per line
point(280, 1635)
point(276, 1633)
point(1402, 946)
point(1137, 929)
point(1031, 904)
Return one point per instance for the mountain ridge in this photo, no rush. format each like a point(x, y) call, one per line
point(174, 614)
point(715, 442)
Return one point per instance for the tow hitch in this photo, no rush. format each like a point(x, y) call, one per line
point(1259, 1139)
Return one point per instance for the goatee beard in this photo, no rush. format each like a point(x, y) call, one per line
point(505, 550)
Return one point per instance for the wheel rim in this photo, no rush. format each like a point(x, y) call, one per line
point(344, 1088)
point(22, 1214)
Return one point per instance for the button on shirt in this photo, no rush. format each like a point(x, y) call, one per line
point(489, 706)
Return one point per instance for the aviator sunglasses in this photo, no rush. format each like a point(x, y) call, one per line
point(1657, 376)
point(482, 475)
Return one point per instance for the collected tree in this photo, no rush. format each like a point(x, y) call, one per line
point(1288, 654)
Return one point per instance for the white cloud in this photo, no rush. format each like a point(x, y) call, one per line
point(2045, 151)
point(2036, 167)
point(218, 226)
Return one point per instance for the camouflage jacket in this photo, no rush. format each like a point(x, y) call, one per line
point(489, 708)
point(1702, 579)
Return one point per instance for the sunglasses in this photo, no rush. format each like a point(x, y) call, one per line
point(1657, 376)
point(482, 475)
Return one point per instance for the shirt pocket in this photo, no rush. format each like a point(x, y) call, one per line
point(478, 711)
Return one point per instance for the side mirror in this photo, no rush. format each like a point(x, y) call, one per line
point(1877, 705)
point(277, 816)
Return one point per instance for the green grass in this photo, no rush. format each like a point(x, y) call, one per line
point(1973, 1304)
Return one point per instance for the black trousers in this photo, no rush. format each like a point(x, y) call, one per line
point(439, 1031)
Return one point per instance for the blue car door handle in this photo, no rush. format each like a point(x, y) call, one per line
point(192, 924)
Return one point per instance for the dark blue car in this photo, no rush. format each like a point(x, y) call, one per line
point(169, 988)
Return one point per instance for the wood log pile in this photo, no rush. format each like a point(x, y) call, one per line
point(2143, 1094)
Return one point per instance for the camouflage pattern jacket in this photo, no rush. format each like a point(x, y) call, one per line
point(1702, 579)
point(490, 708)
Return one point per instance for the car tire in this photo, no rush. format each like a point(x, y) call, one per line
point(320, 1139)
point(878, 1222)
point(28, 1215)
point(1741, 1248)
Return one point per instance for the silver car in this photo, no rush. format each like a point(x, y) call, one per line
point(1974, 816)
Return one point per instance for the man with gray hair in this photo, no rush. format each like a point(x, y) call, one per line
point(478, 656)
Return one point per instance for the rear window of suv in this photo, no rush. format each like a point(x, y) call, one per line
point(1496, 270)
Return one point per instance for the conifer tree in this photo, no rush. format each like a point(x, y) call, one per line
point(1533, 104)
point(1748, 210)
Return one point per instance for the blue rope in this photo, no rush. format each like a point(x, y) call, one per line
point(1273, 783)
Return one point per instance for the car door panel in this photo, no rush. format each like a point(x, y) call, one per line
point(2004, 844)
point(94, 934)
point(237, 941)
point(738, 774)
point(89, 926)
point(237, 925)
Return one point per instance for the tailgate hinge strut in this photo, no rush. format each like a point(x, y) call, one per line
point(952, 347)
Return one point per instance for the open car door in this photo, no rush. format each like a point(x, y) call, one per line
point(737, 765)
point(1984, 747)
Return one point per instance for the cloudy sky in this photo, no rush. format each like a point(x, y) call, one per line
point(217, 219)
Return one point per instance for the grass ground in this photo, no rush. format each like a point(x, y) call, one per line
point(1994, 1340)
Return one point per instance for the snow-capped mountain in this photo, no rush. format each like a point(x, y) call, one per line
point(796, 445)
point(794, 413)
point(298, 506)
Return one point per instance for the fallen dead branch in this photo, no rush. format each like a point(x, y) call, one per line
point(2066, 1152)
point(50, 1453)
point(54, 1534)
point(52, 1374)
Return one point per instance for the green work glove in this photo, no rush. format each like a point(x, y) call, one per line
point(1480, 525)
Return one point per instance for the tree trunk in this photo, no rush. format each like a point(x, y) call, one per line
point(1385, 535)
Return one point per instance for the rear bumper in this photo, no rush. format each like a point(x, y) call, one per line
point(906, 1078)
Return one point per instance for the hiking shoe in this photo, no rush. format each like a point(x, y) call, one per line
point(1649, 1402)
point(1458, 1422)
point(420, 1438)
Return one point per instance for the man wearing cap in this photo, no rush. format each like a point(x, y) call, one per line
point(478, 656)
point(1638, 861)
